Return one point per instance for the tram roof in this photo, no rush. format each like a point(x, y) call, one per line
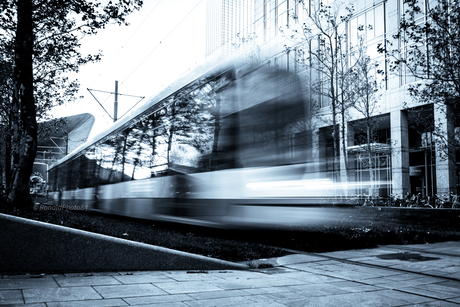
point(143, 109)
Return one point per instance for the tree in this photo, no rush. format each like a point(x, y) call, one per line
point(23, 103)
point(248, 48)
point(46, 37)
point(320, 45)
point(364, 90)
point(430, 39)
point(187, 122)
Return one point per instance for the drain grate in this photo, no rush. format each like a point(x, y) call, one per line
point(406, 256)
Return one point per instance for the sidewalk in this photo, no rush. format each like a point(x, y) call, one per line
point(410, 275)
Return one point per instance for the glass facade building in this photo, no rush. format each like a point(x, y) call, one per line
point(228, 22)
point(406, 158)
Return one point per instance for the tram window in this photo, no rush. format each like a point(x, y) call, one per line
point(262, 135)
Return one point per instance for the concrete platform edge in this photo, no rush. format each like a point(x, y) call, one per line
point(29, 246)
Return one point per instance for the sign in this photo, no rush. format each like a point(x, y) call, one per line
point(416, 170)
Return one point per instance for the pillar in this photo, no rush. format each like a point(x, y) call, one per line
point(314, 164)
point(399, 152)
point(345, 173)
point(446, 179)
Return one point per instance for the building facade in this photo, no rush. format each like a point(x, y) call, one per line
point(62, 136)
point(228, 23)
point(402, 154)
point(406, 157)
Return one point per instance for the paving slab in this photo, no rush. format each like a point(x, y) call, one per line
point(120, 291)
point(219, 294)
point(368, 299)
point(25, 305)
point(11, 297)
point(454, 300)
point(317, 290)
point(418, 282)
point(268, 290)
point(89, 303)
point(353, 286)
point(429, 293)
point(227, 301)
point(195, 277)
point(86, 281)
point(28, 283)
point(310, 278)
point(320, 301)
point(404, 296)
point(60, 294)
point(235, 284)
point(187, 287)
point(142, 279)
point(158, 299)
point(298, 280)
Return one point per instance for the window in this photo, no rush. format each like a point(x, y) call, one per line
point(370, 27)
point(410, 50)
point(281, 14)
point(266, 19)
point(324, 98)
point(298, 146)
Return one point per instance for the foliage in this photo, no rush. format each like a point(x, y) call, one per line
point(409, 201)
point(190, 118)
point(426, 49)
point(58, 30)
point(341, 75)
point(364, 86)
point(49, 34)
point(248, 48)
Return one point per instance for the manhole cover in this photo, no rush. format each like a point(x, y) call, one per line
point(406, 257)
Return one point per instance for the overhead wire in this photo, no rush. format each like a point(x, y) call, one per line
point(126, 42)
point(156, 47)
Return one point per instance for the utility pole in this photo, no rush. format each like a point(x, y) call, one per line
point(115, 104)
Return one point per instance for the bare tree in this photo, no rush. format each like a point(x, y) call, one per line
point(365, 94)
point(320, 45)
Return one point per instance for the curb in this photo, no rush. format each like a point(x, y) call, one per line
point(37, 247)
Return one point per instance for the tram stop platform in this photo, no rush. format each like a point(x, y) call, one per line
point(409, 275)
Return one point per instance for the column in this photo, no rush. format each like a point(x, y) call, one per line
point(444, 134)
point(314, 165)
point(399, 153)
point(345, 173)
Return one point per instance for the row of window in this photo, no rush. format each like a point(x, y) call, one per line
point(369, 26)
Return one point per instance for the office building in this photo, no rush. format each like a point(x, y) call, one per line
point(406, 157)
point(228, 22)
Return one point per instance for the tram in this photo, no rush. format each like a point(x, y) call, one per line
point(227, 145)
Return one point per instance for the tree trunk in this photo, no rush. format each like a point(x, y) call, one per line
point(123, 157)
point(170, 139)
point(24, 96)
point(214, 153)
point(369, 153)
point(8, 159)
point(15, 141)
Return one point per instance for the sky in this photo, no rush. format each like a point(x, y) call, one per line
point(164, 40)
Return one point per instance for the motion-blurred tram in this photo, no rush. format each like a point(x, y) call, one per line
point(226, 145)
